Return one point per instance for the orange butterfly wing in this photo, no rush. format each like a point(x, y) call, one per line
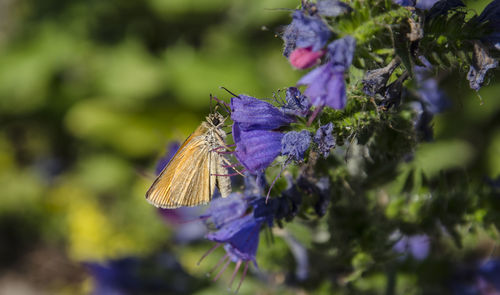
point(185, 180)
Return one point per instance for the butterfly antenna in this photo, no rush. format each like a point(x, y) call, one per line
point(211, 97)
point(222, 87)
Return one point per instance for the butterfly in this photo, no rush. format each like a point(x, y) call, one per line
point(190, 178)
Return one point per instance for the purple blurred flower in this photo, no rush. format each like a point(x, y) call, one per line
point(405, 2)
point(425, 4)
point(256, 149)
point(325, 84)
point(441, 6)
point(324, 139)
point(131, 275)
point(490, 272)
point(341, 52)
point(434, 99)
point(251, 113)
point(417, 246)
point(305, 31)
point(238, 234)
point(296, 103)
point(326, 87)
point(295, 144)
point(483, 279)
point(332, 8)
point(224, 210)
point(185, 223)
point(242, 235)
point(163, 161)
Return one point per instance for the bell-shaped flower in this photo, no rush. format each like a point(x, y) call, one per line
point(305, 31)
point(256, 149)
point(326, 87)
point(325, 84)
point(238, 234)
point(251, 113)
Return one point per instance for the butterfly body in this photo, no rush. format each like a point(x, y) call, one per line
point(190, 178)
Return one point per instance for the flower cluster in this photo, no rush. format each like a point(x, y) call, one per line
point(356, 89)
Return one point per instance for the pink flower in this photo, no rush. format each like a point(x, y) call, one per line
point(303, 58)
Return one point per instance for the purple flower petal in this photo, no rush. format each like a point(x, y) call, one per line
point(256, 149)
point(305, 31)
point(295, 144)
point(324, 139)
point(224, 210)
point(332, 8)
point(341, 52)
point(171, 150)
point(296, 103)
point(252, 113)
point(336, 97)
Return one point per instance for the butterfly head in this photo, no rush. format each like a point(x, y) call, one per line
point(215, 119)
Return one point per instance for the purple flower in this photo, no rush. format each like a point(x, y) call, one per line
point(417, 246)
point(325, 84)
point(171, 150)
point(184, 223)
point(251, 113)
point(326, 87)
point(256, 149)
point(225, 210)
point(482, 279)
point(332, 8)
point(305, 31)
point(441, 7)
point(341, 52)
point(434, 99)
point(132, 275)
point(295, 144)
point(324, 139)
point(405, 2)
point(242, 237)
point(239, 236)
point(490, 272)
point(296, 103)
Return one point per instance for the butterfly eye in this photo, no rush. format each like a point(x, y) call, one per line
point(215, 121)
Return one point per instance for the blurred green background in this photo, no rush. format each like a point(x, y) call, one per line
point(91, 92)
